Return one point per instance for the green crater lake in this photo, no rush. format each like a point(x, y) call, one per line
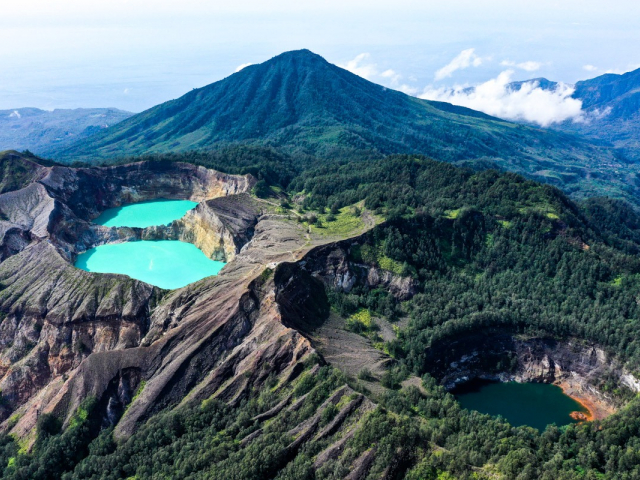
point(145, 214)
point(533, 404)
point(164, 263)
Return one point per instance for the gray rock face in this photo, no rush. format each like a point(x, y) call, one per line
point(62, 202)
point(577, 367)
point(332, 264)
point(88, 191)
point(219, 227)
point(55, 317)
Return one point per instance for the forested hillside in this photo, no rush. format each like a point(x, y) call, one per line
point(489, 252)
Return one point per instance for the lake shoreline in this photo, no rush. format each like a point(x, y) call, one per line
point(597, 408)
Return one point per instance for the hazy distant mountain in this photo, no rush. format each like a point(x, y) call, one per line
point(41, 130)
point(542, 83)
point(301, 103)
point(612, 106)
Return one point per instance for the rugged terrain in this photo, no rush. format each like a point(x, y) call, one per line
point(264, 346)
point(69, 335)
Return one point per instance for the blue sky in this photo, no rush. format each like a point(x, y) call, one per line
point(133, 54)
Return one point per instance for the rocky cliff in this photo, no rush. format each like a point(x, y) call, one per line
point(259, 326)
point(580, 369)
point(219, 227)
point(56, 318)
point(61, 201)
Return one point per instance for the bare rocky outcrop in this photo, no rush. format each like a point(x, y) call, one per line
point(62, 201)
point(222, 336)
point(219, 227)
point(333, 264)
point(67, 334)
point(18, 170)
point(89, 191)
point(55, 318)
point(55, 315)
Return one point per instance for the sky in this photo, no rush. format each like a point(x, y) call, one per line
point(133, 54)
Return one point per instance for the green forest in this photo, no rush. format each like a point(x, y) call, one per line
point(489, 251)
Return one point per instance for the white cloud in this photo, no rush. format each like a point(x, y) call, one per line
point(530, 103)
point(390, 74)
point(240, 67)
point(408, 89)
point(465, 59)
point(15, 114)
point(362, 67)
point(527, 66)
point(590, 68)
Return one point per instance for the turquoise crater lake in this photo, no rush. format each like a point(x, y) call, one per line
point(164, 263)
point(145, 214)
point(534, 404)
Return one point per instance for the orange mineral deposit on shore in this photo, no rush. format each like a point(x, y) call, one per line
point(595, 408)
point(580, 416)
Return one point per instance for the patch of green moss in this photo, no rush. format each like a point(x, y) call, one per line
point(13, 420)
point(452, 214)
point(345, 223)
point(265, 275)
point(360, 321)
point(79, 417)
point(139, 390)
point(373, 255)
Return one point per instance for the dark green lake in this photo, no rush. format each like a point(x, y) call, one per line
point(533, 404)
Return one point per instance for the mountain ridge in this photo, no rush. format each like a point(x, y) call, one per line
point(610, 106)
point(300, 103)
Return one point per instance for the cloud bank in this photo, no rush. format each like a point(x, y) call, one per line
point(530, 103)
point(465, 59)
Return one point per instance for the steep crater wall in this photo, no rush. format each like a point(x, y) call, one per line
point(219, 227)
point(89, 191)
point(584, 371)
point(60, 205)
